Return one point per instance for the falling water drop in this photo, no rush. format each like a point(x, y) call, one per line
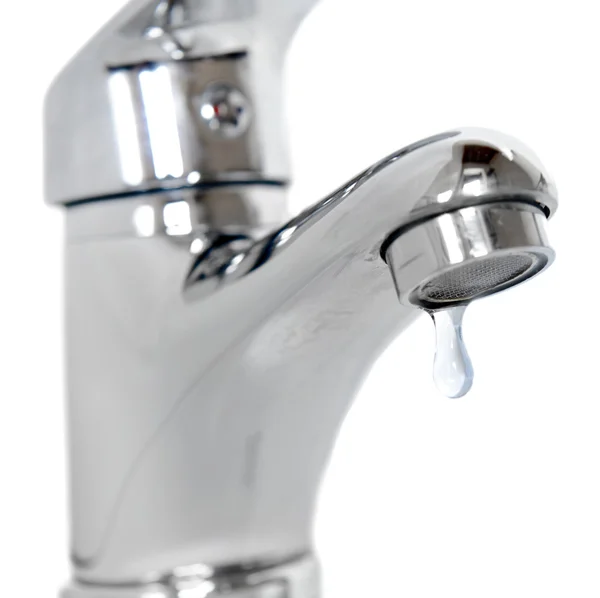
point(452, 368)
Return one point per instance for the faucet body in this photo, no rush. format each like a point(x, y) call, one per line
point(214, 344)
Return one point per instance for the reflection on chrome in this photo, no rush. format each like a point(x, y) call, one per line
point(126, 129)
point(177, 218)
point(197, 246)
point(194, 177)
point(144, 221)
point(452, 238)
point(445, 196)
point(472, 221)
point(195, 589)
point(161, 119)
point(286, 235)
point(474, 184)
point(508, 153)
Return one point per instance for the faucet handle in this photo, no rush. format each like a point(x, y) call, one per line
point(169, 95)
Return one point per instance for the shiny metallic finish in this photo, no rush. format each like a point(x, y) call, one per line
point(246, 215)
point(296, 578)
point(174, 127)
point(464, 255)
point(225, 110)
point(183, 214)
point(139, 79)
point(208, 352)
point(214, 345)
point(163, 27)
point(157, 133)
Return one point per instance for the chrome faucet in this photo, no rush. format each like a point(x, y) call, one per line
point(214, 344)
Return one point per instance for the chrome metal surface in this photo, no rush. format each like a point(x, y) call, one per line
point(469, 253)
point(200, 429)
point(130, 97)
point(162, 134)
point(214, 345)
point(296, 578)
point(252, 210)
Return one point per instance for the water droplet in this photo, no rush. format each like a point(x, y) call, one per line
point(452, 368)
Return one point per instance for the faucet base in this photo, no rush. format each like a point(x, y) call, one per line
point(297, 578)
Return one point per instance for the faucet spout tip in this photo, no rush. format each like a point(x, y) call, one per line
point(461, 256)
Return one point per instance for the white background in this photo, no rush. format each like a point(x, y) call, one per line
point(496, 494)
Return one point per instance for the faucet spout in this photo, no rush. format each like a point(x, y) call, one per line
point(201, 425)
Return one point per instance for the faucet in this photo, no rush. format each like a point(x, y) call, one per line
point(214, 341)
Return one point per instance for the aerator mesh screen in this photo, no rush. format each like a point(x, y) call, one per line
point(469, 280)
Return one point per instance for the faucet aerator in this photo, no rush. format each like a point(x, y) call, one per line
point(469, 253)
